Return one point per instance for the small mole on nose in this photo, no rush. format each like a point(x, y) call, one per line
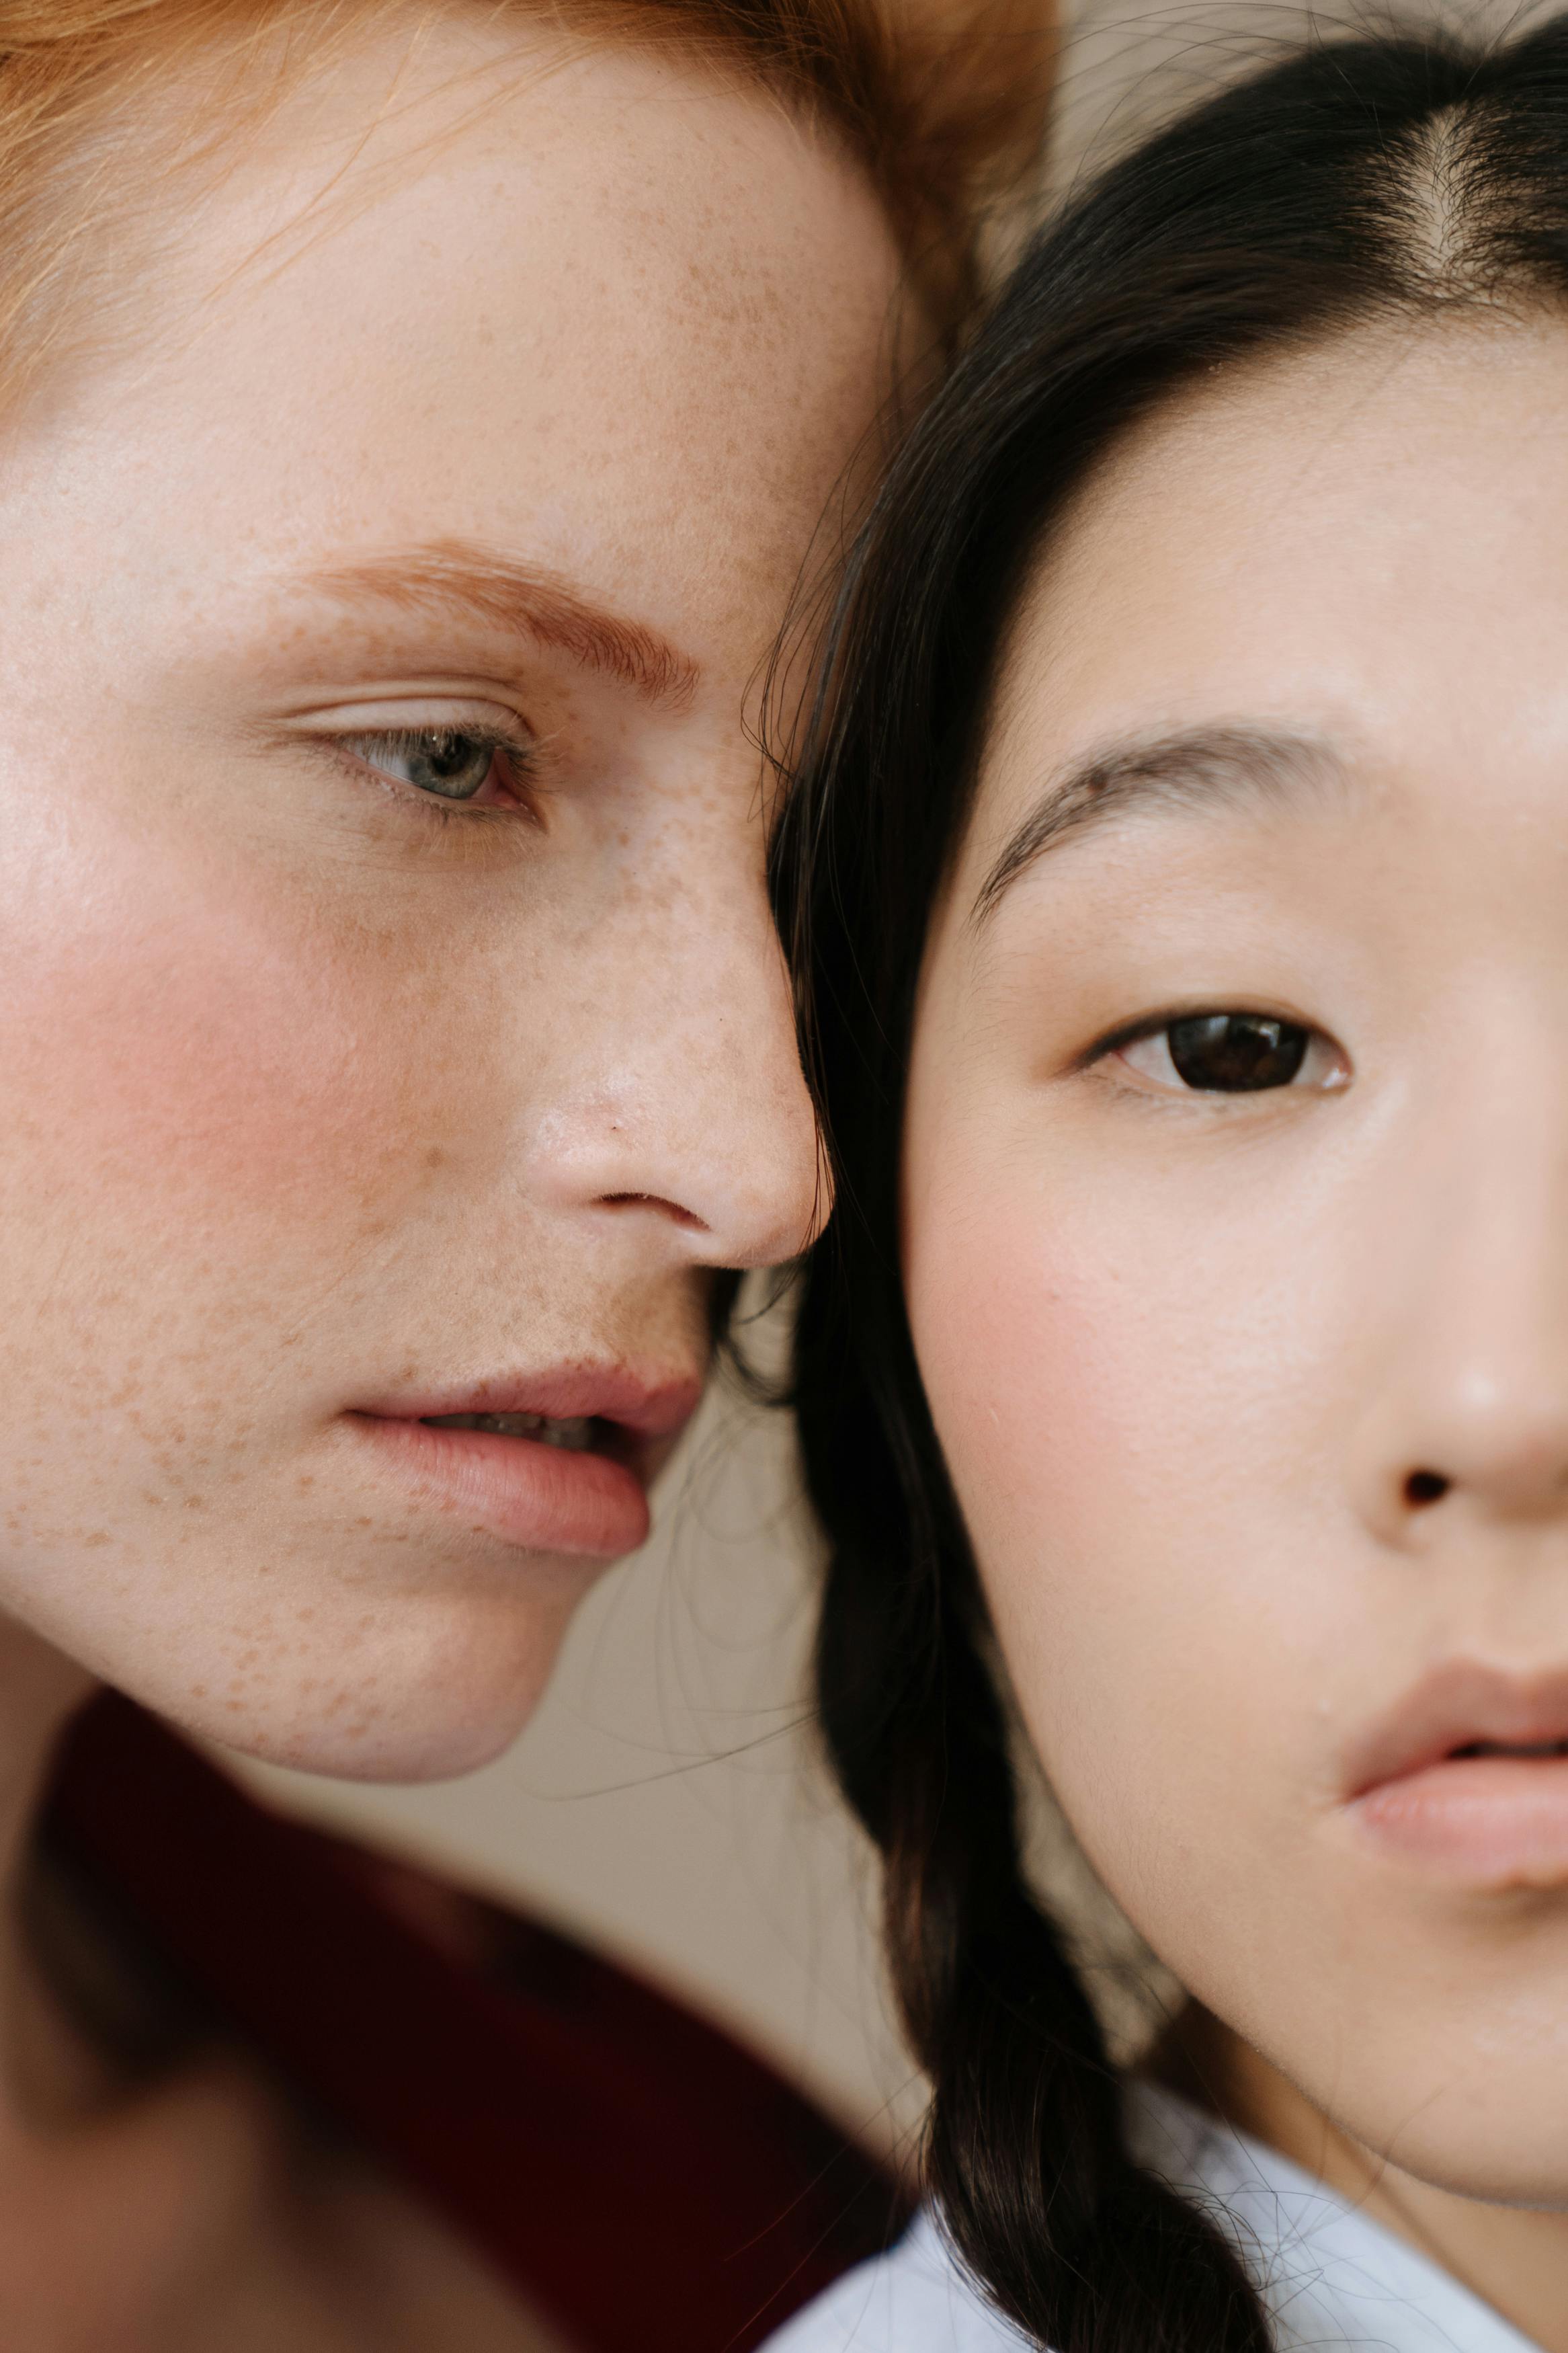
point(1426, 1487)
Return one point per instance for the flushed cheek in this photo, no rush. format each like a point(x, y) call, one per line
point(219, 1111)
point(1127, 1483)
point(196, 1057)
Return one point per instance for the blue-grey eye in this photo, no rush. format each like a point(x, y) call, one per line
point(453, 762)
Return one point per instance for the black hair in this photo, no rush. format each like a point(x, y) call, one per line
point(1361, 180)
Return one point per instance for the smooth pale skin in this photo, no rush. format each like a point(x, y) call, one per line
point(311, 1095)
point(1183, 1350)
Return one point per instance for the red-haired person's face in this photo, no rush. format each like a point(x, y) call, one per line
point(391, 1029)
point(1236, 1221)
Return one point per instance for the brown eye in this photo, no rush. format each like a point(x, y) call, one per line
point(1232, 1054)
point(1236, 1053)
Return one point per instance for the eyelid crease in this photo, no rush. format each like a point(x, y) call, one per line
point(440, 701)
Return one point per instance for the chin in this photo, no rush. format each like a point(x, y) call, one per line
point(422, 1693)
point(432, 1742)
point(1467, 2116)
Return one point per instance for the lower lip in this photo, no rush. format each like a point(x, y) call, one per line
point(540, 1498)
point(1487, 1821)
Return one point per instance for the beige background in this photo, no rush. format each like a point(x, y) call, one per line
point(1124, 69)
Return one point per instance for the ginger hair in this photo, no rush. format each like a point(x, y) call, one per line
point(941, 101)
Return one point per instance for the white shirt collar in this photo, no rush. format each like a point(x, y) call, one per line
point(1332, 2278)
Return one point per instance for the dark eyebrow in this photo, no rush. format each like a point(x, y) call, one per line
point(450, 577)
point(1194, 769)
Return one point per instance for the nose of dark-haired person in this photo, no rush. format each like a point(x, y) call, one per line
point(1463, 1435)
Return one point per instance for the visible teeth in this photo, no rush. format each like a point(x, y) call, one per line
point(576, 1435)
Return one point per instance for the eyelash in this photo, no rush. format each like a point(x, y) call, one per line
point(1318, 1042)
point(520, 752)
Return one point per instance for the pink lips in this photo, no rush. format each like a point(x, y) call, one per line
point(540, 1497)
point(1464, 1779)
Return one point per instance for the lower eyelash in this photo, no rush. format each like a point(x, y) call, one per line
point(439, 812)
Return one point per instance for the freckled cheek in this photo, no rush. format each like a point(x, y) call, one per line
point(215, 1056)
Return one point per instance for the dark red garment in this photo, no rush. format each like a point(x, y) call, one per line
point(649, 2186)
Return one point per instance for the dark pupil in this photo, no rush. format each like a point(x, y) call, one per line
point(453, 765)
point(1232, 1054)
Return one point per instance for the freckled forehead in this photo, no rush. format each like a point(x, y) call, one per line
point(636, 179)
point(595, 311)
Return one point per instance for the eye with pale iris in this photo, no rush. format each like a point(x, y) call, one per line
point(470, 765)
point(1229, 1053)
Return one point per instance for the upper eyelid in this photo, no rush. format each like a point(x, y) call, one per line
point(1150, 1025)
point(519, 742)
point(518, 746)
point(506, 738)
point(437, 701)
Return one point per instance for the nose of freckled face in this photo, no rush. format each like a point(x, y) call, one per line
point(685, 1099)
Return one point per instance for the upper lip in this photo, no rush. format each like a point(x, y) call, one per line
point(1451, 1708)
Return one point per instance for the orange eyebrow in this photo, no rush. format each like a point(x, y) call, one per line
point(450, 577)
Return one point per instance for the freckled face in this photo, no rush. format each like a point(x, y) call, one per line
point(1236, 1214)
point(390, 1021)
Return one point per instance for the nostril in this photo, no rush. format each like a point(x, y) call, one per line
point(671, 1210)
point(1424, 1487)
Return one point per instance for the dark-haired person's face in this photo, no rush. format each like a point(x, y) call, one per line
point(1237, 1218)
point(392, 1031)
